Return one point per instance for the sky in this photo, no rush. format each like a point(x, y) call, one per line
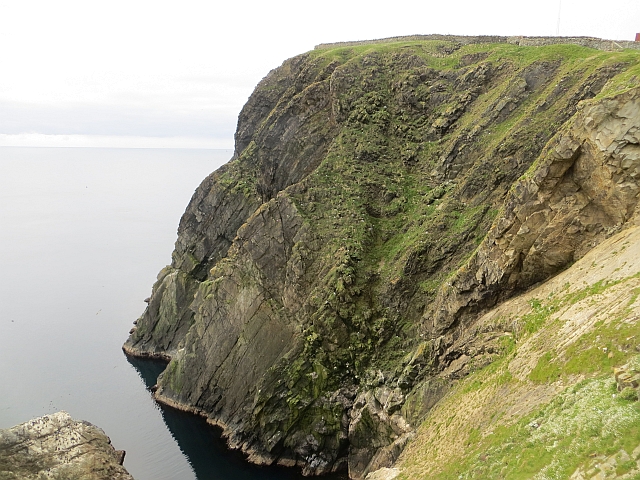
point(175, 74)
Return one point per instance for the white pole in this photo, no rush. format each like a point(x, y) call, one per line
point(558, 24)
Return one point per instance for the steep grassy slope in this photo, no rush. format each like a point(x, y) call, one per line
point(325, 278)
point(549, 405)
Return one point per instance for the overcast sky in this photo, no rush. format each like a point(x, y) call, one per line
point(176, 74)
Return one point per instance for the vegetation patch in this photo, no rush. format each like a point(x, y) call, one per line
point(586, 420)
point(598, 351)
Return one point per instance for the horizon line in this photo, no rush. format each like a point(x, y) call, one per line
point(112, 141)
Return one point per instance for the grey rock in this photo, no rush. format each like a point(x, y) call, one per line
point(57, 447)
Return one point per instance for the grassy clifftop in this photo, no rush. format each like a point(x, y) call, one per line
point(381, 198)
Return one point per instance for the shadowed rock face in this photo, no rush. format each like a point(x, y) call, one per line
point(268, 159)
point(58, 447)
point(380, 198)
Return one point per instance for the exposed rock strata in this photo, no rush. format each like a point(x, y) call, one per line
point(57, 447)
point(583, 187)
point(380, 200)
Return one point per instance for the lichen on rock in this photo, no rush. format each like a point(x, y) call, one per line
point(57, 447)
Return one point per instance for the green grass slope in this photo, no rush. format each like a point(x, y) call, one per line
point(549, 407)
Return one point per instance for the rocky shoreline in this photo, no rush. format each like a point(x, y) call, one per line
point(137, 353)
point(253, 455)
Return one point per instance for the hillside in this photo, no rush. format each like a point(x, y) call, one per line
point(328, 284)
point(552, 388)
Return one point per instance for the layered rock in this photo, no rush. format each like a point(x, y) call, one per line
point(379, 200)
point(584, 187)
point(268, 158)
point(57, 447)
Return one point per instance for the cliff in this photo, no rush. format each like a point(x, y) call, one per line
point(327, 283)
point(58, 447)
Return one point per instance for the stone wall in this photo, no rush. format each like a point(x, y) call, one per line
point(590, 42)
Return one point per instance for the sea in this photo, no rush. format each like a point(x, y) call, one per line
point(83, 234)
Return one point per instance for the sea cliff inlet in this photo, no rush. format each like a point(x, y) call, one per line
point(84, 232)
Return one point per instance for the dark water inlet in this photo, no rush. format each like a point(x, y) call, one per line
point(203, 444)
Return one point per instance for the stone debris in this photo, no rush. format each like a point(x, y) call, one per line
point(602, 467)
point(384, 474)
point(627, 376)
point(57, 447)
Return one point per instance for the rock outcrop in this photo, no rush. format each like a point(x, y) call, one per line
point(57, 447)
point(381, 198)
point(584, 187)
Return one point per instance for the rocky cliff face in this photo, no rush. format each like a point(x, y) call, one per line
point(583, 187)
point(381, 198)
point(59, 448)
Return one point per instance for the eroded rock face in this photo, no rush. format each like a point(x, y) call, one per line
point(243, 299)
point(375, 420)
point(269, 157)
point(201, 243)
point(57, 447)
point(378, 201)
point(583, 188)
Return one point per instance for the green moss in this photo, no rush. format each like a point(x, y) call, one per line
point(239, 176)
point(174, 376)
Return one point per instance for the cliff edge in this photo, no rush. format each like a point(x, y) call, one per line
point(382, 197)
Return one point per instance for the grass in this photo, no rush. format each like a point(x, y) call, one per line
point(593, 353)
point(627, 79)
point(538, 316)
point(429, 50)
point(550, 442)
point(583, 420)
point(546, 370)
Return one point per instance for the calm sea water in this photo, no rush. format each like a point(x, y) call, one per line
point(83, 233)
